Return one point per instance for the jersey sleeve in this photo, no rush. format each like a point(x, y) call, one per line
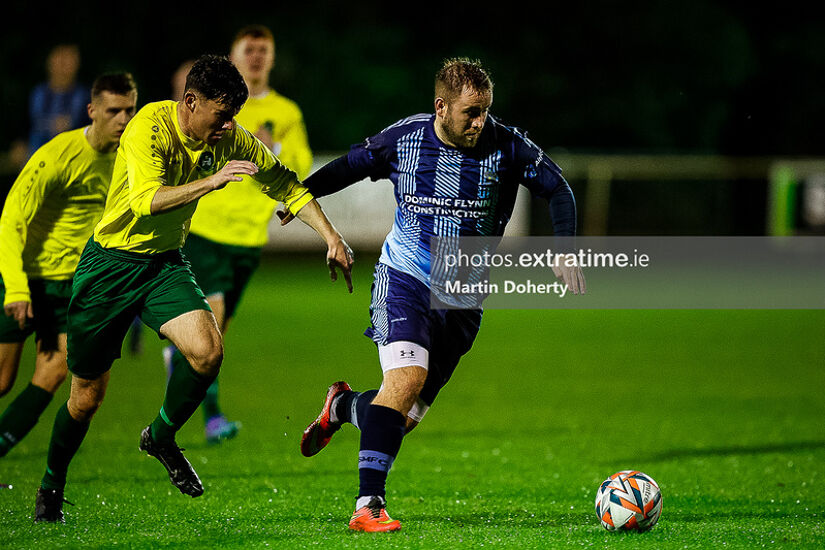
point(277, 181)
point(145, 151)
point(543, 178)
point(38, 178)
point(538, 172)
point(373, 156)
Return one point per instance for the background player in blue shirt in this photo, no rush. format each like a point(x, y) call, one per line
point(456, 174)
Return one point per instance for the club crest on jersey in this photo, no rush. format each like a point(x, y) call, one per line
point(206, 162)
point(491, 177)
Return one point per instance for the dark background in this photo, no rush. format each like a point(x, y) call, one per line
point(610, 77)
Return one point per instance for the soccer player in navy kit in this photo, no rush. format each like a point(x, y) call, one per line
point(459, 155)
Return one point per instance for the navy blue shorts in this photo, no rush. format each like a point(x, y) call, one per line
point(400, 311)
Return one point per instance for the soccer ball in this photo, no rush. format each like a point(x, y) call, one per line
point(628, 500)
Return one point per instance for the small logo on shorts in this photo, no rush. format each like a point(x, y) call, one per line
point(405, 353)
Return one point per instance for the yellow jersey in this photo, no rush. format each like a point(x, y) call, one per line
point(153, 152)
point(51, 211)
point(238, 214)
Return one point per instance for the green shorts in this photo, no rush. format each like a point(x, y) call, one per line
point(50, 301)
point(110, 288)
point(221, 268)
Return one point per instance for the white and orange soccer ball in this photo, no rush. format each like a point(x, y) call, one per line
point(628, 500)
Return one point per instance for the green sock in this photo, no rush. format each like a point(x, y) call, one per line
point(21, 416)
point(67, 435)
point(210, 402)
point(184, 393)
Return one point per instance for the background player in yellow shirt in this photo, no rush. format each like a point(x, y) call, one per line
point(230, 226)
point(171, 154)
point(49, 215)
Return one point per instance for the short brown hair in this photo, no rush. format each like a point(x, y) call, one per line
point(253, 31)
point(116, 83)
point(458, 72)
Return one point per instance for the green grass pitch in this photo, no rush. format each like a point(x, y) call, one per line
point(724, 409)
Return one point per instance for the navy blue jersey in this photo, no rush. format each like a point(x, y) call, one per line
point(448, 192)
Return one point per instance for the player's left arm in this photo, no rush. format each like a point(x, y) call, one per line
point(543, 178)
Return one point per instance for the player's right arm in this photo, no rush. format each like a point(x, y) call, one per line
point(169, 198)
point(25, 198)
point(368, 159)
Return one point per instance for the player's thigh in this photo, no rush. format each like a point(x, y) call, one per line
point(97, 326)
point(399, 309)
point(51, 365)
point(453, 335)
point(177, 309)
point(198, 338)
point(106, 295)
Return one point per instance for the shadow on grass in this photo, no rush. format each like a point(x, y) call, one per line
point(730, 450)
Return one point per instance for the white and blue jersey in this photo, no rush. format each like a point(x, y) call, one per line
point(446, 192)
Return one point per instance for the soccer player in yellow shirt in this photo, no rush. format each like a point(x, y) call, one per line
point(230, 226)
point(50, 213)
point(171, 154)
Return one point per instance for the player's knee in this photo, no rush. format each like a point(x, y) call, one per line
point(207, 360)
point(83, 407)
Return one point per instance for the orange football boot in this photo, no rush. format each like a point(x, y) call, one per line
point(318, 434)
point(373, 518)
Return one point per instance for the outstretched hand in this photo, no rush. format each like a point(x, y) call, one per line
point(233, 171)
point(571, 276)
point(339, 255)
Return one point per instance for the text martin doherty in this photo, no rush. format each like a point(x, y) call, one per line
point(506, 287)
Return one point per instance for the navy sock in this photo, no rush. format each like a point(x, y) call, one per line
point(382, 431)
point(352, 406)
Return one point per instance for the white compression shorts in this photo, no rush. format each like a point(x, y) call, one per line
point(396, 355)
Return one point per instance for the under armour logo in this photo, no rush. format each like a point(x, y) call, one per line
point(404, 353)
